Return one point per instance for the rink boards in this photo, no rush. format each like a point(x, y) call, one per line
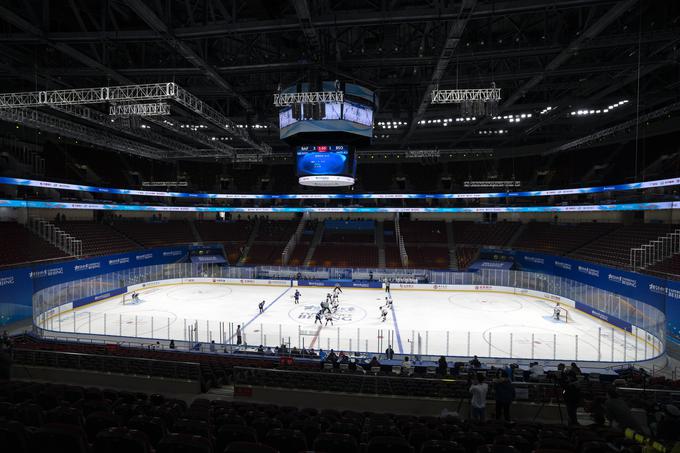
point(417, 333)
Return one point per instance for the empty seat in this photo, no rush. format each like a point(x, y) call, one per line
point(441, 446)
point(227, 434)
point(153, 427)
point(196, 427)
point(491, 448)
point(379, 444)
point(419, 435)
point(60, 438)
point(184, 443)
point(13, 436)
point(99, 421)
point(336, 443)
point(117, 440)
point(249, 447)
point(286, 440)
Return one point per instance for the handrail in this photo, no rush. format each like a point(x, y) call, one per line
point(101, 362)
point(294, 239)
point(84, 354)
point(400, 241)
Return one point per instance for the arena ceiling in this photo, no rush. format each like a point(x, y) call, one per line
point(571, 72)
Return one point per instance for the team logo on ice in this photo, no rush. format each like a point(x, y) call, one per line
point(346, 313)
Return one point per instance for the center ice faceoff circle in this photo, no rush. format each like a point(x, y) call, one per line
point(346, 313)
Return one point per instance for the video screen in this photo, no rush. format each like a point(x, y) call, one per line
point(286, 117)
point(358, 113)
point(314, 160)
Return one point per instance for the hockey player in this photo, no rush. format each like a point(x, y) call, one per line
point(337, 289)
point(261, 306)
point(557, 312)
point(296, 296)
point(383, 313)
point(335, 304)
point(329, 318)
point(387, 286)
point(388, 302)
point(318, 316)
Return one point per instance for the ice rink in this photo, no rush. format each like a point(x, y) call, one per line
point(423, 322)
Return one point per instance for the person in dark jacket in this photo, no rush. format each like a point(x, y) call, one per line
point(442, 366)
point(475, 363)
point(505, 395)
point(572, 397)
point(389, 352)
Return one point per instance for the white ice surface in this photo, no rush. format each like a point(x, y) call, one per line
point(454, 323)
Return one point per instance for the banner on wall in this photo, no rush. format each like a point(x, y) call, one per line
point(16, 289)
point(490, 264)
point(661, 294)
point(342, 283)
point(18, 285)
point(613, 320)
point(54, 274)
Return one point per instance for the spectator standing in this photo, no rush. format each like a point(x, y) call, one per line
point(5, 359)
point(478, 390)
point(572, 396)
point(442, 366)
point(239, 339)
point(389, 352)
point(406, 367)
point(475, 363)
point(536, 372)
point(332, 357)
point(505, 395)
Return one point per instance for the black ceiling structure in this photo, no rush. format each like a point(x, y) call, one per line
point(550, 58)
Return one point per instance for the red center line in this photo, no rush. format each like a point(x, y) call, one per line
point(316, 337)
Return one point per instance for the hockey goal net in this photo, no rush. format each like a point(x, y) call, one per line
point(128, 299)
point(564, 315)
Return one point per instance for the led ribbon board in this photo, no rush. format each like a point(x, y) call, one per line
point(341, 196)
point(122, 207)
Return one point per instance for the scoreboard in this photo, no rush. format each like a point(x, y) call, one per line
point(325, 165)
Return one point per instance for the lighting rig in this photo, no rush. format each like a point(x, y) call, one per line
point(472, 101)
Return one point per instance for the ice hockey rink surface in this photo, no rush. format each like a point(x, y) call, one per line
point(422, 322)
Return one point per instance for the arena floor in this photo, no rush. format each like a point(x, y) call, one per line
point(453, 323)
